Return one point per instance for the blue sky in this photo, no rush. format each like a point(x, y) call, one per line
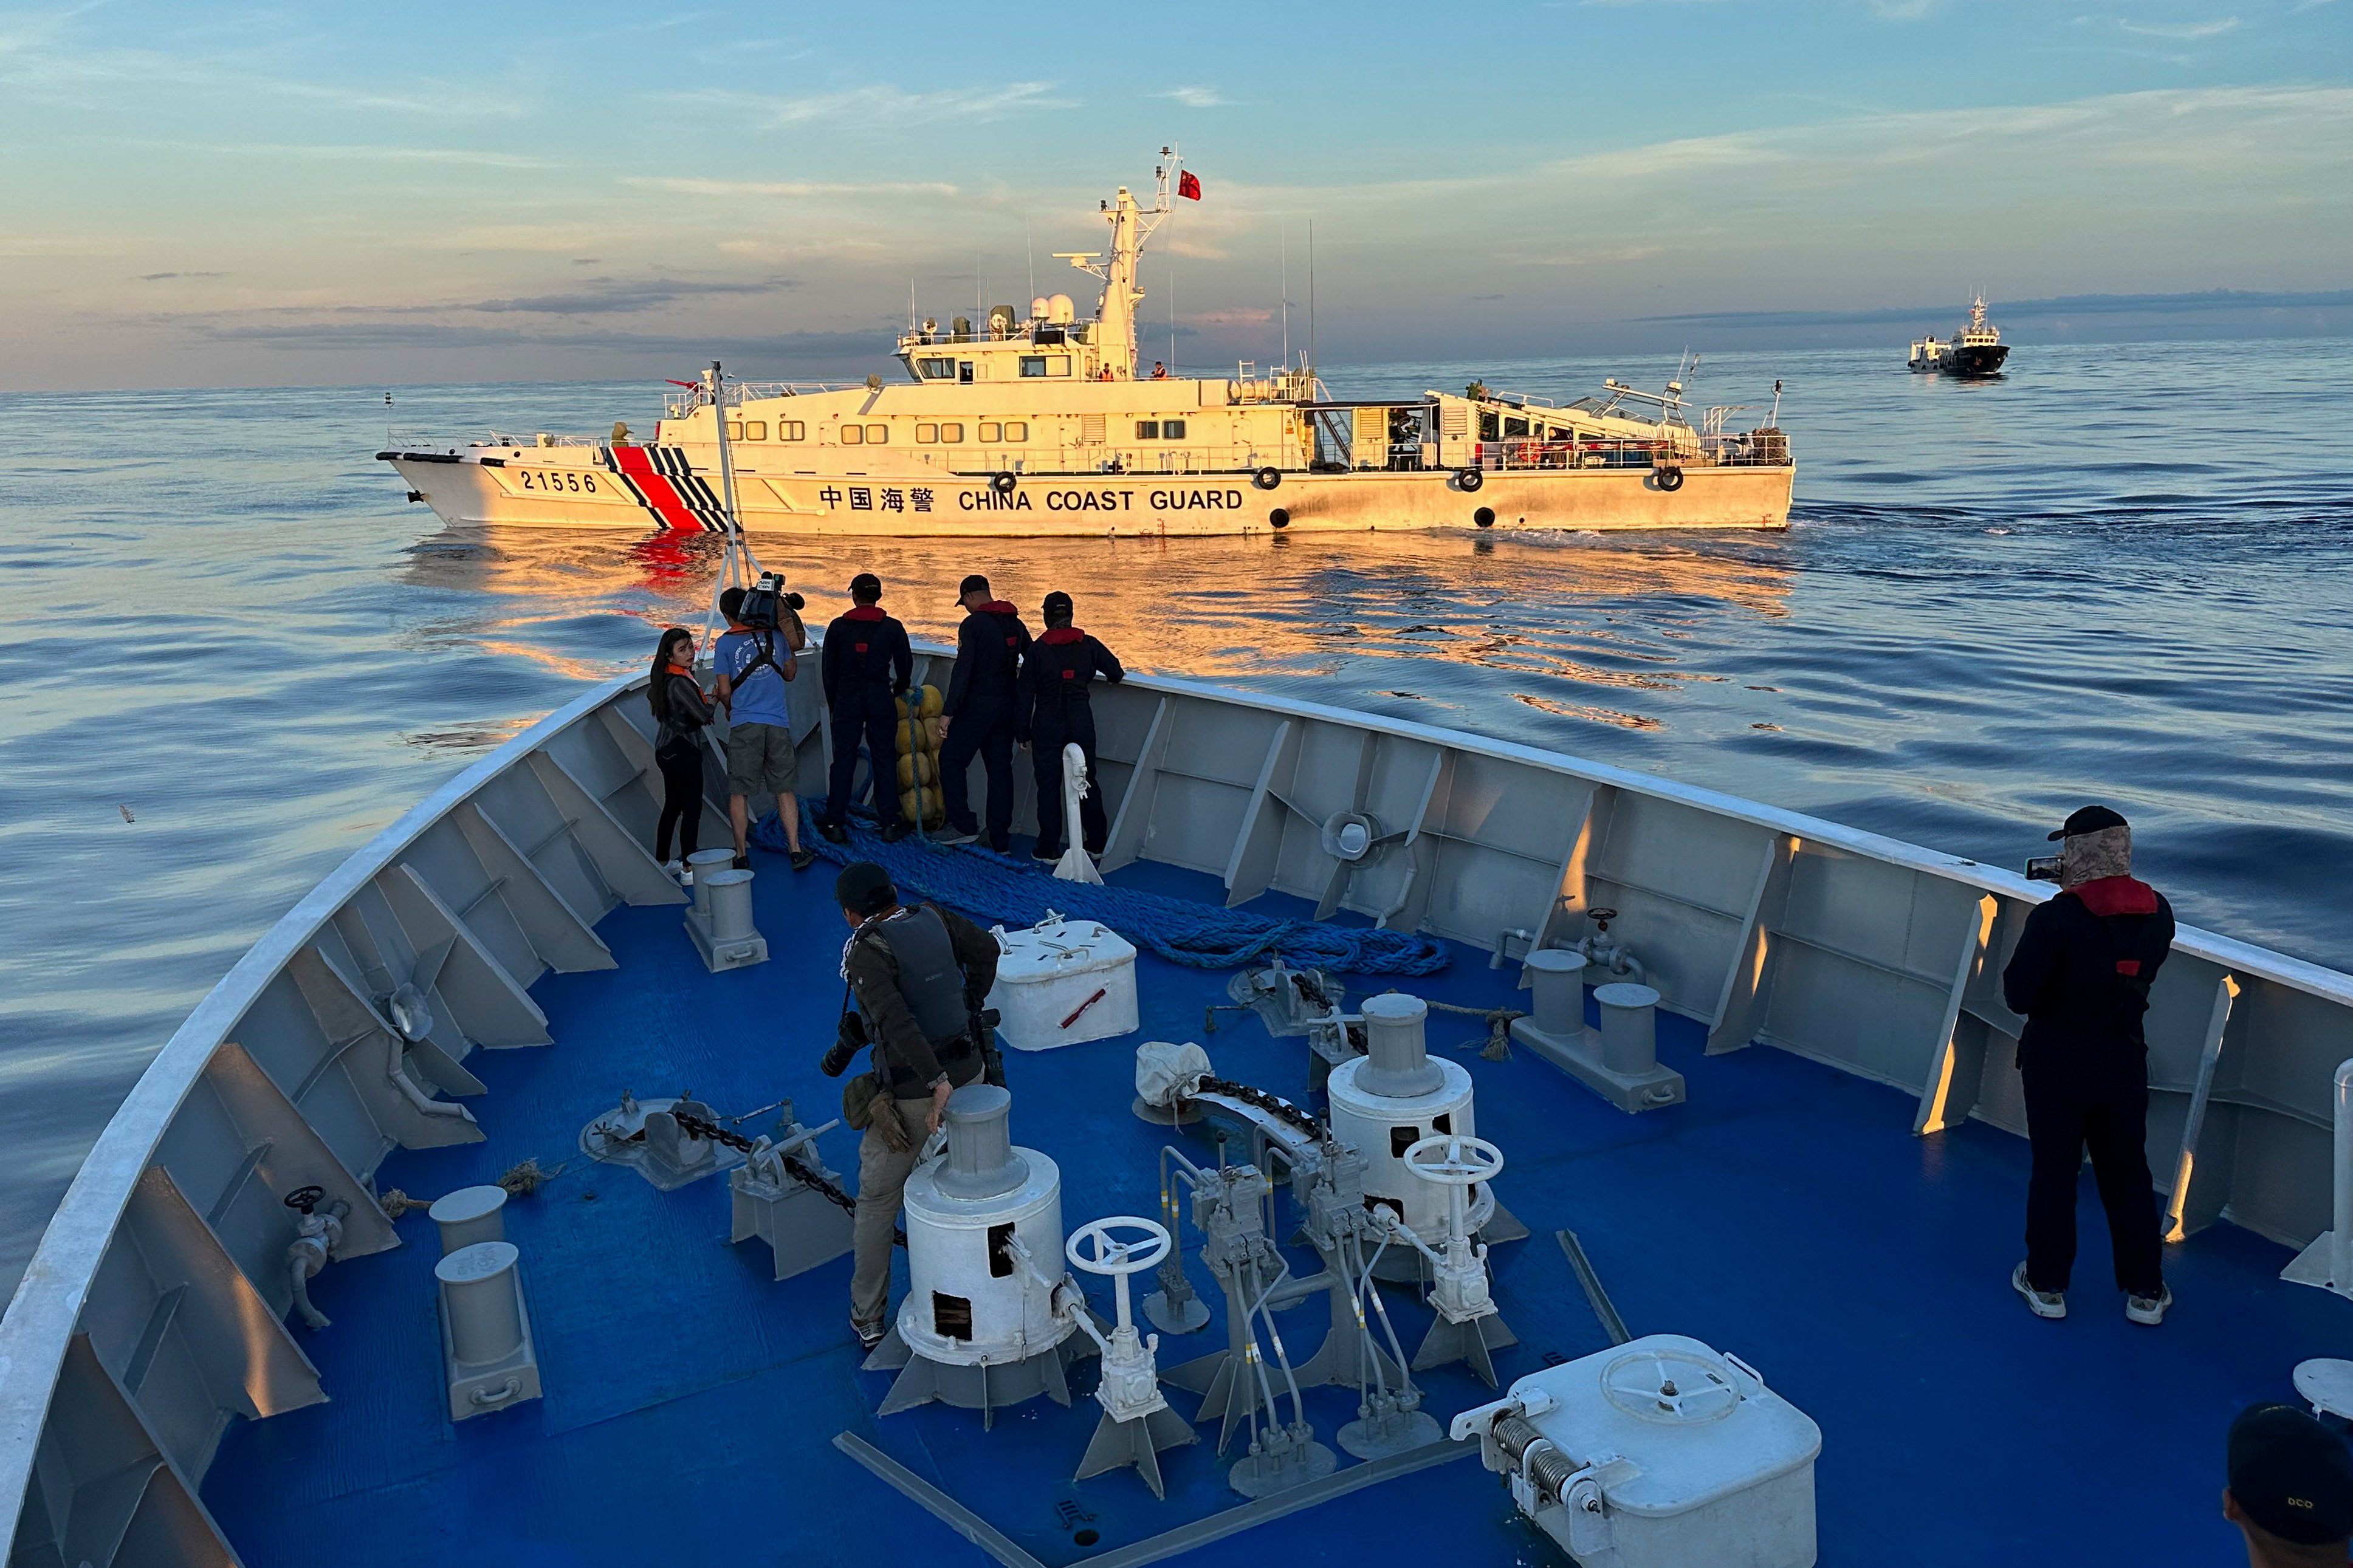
point(229, 195)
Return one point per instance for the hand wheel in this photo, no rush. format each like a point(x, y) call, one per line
point(305, 1198)
point(1146, 1246)
point(1451, 1159)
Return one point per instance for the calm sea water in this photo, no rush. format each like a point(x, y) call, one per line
point(230, 652)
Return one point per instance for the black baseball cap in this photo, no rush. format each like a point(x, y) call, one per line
point(1056, 603)
point(975, 583)
point(2089, 819)
point(864, 889)
point(2291, 1475)
point(866, 585)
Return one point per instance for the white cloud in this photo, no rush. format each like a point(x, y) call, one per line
point(887, 107)
point(2184, 31)
point(1196, 97)
point(733, 188)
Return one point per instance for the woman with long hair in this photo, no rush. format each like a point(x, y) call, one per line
point(681, 710)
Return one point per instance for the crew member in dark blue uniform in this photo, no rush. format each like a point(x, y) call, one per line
point(2080, 974)
point(1052, 708)
point(977, 715)
point(867, 665)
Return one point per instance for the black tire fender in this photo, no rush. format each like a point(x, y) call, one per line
point(1469, 479)
point(1267, 479)
point(1670, 479)
point(1001, 483)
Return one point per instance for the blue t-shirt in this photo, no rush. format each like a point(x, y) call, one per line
point(762, 699)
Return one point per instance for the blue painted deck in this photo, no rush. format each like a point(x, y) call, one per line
point(1786, 1214)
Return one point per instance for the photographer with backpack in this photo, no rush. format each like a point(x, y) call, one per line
point(754, 661)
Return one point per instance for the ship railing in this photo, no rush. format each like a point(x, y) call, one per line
point(1740, 449)
point(508, 438)
point(685, 401)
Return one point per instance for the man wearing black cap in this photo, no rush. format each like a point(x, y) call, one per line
point(2291, 1489)
point(1052, 708)
point(868, 664)
point(976, 717)
point(918, 977)
point(2080, 974)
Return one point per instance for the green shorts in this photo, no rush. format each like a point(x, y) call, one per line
point(761, 760)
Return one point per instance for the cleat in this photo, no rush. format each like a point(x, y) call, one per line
point(2043, 1304)
point(2149, 1309)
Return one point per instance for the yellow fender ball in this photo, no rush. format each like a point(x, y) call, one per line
point(902, 703)
point(931, 700)
point(906, 738)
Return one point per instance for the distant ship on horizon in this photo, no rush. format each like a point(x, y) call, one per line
point(1976, 351)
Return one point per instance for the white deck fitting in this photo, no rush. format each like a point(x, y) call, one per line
point(152, 1313)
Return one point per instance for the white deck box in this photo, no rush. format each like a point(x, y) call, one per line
point(1695, 1460)
point(1062, 981)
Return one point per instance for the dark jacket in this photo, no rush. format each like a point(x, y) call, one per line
point(902, 1055)
point(2081, 971)
point(990, 645)
point(866, 651)
point(1061, 664)
point(687, 713)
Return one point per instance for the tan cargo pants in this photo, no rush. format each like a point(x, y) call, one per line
point(881, 1177)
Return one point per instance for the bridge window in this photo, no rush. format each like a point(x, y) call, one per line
point(1171, 429)
point(1147, 429)
point(851, 435)
point(1487, 427)
point(1033, 364)
point(935, 369)
point(1515, 427)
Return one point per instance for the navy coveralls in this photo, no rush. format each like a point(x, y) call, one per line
point(990, 648)
point(1052, 709)
point(867, 664)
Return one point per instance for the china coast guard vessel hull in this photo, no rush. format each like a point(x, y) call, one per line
point(1016, 428)
point(484, 978)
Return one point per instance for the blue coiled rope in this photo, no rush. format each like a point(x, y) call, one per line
point(998, 888)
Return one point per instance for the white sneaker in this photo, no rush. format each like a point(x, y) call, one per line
point(2149, 1309)
point(2042, 1303)
point(678, 873)
point(948, 835)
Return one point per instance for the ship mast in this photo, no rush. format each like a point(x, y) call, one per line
point(1131, 226)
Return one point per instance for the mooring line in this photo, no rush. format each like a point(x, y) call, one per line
point(1611, 1324)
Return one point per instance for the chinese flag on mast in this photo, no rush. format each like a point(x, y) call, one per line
point(1189, 185)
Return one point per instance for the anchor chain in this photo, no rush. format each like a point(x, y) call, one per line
point(694, 1126)
point(1280, 1109)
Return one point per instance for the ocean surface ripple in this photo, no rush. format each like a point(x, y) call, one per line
point(232, 653)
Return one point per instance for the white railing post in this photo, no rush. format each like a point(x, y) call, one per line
point(2327, 1262)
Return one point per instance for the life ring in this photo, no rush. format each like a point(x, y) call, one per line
point(1671, 479)
point(1467, 479)
point(1001, 483)
point(1267, 479)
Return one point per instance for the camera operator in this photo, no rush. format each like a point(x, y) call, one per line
point(2080, 975)
point(919, 976)
point(755, 659)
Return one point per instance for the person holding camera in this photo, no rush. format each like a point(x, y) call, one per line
point(868, 668)
point(755, 659)
point(680, 712)
point(976, 717)
point(918, 977)
point(2080, 975)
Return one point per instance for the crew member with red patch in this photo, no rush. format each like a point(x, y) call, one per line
point(868, 666)
point(977, 715)
point(1052, 709)
point(2080, 975)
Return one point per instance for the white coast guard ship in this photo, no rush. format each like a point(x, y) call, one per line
point(1043, 426)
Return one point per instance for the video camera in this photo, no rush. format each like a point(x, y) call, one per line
point(761, 611)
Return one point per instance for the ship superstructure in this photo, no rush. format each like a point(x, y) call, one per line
point(1043, 424)
point(1975, 350)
